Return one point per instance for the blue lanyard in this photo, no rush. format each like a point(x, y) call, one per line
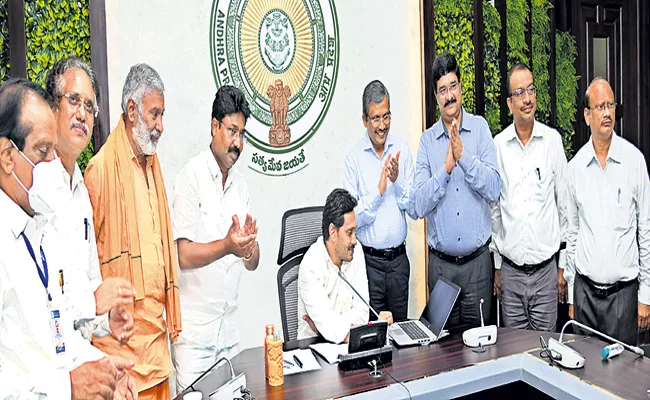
point(44, 274)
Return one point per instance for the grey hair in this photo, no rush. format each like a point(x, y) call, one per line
point(596, 79)
point(140, 80)
point(374, 93)
point(54, 82)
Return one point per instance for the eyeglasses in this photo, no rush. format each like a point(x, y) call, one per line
point(75, 101)
point(519, 93)
point(452, 88)
point(385, 119)
point(600, 108)
point(232, 133)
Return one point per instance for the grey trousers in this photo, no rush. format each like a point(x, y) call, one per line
point(529, 301)
point(614, 315)
point(388, 285)
point(475, 281)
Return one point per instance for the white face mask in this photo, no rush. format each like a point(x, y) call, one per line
point(48, 192)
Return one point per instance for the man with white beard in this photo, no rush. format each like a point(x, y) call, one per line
point(133, 230)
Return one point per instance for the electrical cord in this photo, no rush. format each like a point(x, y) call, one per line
point(548, 353)
point(393, 378)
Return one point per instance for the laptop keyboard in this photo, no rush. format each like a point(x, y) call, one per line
point(413, 330)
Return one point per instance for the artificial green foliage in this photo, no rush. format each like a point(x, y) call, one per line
point(566, 80)
point(4, 42)
point(55, 29)
point(541, 55)
point(492, 35)
point(517, 14)
point(453, 33)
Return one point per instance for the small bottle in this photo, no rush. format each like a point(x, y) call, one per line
point(270, 330)
point(275, 362)
point(612, 350)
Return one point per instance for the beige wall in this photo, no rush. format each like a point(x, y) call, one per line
point(379, 39)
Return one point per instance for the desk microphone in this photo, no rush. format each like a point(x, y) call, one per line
point(342, 276)
point(569, 358)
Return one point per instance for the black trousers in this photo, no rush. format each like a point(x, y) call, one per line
point(475, 281)
point(614, 315)
point(388, 285)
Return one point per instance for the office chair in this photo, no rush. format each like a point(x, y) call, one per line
point(300, 229)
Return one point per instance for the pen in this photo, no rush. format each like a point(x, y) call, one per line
point(297, 360)
point(619, 195)
point(86, 227)
point(289, 363)
point(61, 280)
point(539, 175)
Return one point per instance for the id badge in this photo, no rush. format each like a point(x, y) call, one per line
point(57, 331)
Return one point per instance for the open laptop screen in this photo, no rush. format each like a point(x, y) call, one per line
point(441, 301)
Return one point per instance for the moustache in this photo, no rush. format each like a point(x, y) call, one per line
point(606, 119)
point(155, 135)
point(233, 149)
point(450, 101)
point(80, 125)
point(351, 248)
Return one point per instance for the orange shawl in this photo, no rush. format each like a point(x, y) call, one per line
point(120, 252)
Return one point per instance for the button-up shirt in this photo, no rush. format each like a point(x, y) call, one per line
point(456, 204)
point(609, 217)
point(381, 222)
point(202, 212)
point(529, 219)
point(326, 298)
point(29, 364)
point(74, 221)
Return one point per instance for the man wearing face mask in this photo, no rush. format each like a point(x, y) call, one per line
point(133, 230)
point(72, 85)
point(216, 237)
point(41, 354)
point(529, 219)
point(456, 178)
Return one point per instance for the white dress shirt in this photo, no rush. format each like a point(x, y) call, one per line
point(29, 364)
point(529, 220)
point(609, 217)
point(74, 222)
point(202, 212)
point(326, 298)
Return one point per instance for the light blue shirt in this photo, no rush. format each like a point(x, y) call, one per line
point(381, 222)
point(456, 205)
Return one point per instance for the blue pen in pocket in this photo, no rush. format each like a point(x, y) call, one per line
point(86, 228)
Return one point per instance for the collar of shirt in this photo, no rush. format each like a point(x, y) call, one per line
point(615, 151)
point(15, 216)
point(215, 170)
point(439, 128)
point(511, 133)
point(367, 143)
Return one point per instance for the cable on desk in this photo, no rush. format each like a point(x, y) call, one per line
point(393, 378)
point(547, 353)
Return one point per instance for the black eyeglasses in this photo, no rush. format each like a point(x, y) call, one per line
point(519, 93)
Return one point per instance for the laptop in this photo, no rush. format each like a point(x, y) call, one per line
point(429, 328)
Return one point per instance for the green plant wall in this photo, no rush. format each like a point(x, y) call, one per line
point(566, 88)
point(541, 55)
point(4, 42)
point(517, 13)
point(492, 35)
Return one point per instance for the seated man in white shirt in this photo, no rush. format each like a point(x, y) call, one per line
point(326, 304)
point(41, 354)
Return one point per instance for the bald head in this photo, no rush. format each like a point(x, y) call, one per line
point(600, 108)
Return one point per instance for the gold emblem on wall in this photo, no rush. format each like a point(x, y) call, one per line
point(279, 134)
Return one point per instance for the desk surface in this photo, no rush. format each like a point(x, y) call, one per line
point(626, 376)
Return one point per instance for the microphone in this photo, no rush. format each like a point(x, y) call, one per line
point(634, 349)
point(197, 380)
point(481, 308)
point(342, 276)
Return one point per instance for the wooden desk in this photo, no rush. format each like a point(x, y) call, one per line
point(413, 363)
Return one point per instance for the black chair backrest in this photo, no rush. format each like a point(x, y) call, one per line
point(300, 229)
point(288, 292)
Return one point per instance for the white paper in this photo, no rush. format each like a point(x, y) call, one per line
point(306, 357)
point(330, 351)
